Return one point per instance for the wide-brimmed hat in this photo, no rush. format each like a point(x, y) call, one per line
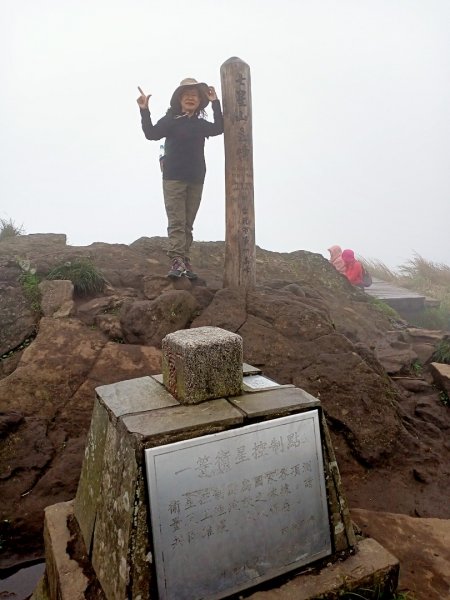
point(186, 83)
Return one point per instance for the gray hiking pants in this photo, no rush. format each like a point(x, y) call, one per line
point(182, 200)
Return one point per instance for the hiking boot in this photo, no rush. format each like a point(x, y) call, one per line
point(178, 268)
point(189, 272)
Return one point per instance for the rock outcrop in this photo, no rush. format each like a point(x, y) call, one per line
point(421, 545)
point(303, 324)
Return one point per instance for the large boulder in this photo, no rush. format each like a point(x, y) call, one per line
point(293, 340)
point(45, 410)
point(122, 266)
point(56, 298)
point(36, 250)
point(148, 322)
point(18, 321)
point(421, 545)
point(441, 376)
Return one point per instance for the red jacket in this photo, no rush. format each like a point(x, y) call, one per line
point(353, 272)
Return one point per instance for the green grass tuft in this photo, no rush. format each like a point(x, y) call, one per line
point(416, 368)
point(8, 229)
point(384, 308)
point(442, 352)
point(86, 278)
point(379, 270)
point(30, 286)
point(431, 318)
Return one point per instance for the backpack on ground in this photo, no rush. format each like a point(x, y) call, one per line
point(366, 277)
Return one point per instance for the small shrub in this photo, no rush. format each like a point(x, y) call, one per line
point(378, 269)
point(424, 273)
point(442, 352)
point(431, 318)
point(376, 593)
point(443, 397)
point(384, 308)
point(8, 229)
point(84, 275)
point(417, 368)
point(30, 286)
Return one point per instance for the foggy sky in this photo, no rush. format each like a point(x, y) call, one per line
point(351, 118)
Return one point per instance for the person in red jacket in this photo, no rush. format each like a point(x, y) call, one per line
point(353, 268)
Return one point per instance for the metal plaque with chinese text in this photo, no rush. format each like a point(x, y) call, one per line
point(236, 508)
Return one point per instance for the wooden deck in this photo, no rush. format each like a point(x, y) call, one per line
point(402, 300)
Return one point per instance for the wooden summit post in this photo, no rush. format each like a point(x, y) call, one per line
point(240, 252)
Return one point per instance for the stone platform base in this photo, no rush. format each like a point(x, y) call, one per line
point(371, 568)
point(63, 578)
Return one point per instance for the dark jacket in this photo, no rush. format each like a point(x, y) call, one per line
point(184, 157)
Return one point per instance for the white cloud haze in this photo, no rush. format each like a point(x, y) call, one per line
point(351, 118)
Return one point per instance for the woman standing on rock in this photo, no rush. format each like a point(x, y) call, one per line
point(184, 168)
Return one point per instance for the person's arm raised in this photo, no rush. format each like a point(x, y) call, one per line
point(143, 99)
point(151, 132)
point(215, 128)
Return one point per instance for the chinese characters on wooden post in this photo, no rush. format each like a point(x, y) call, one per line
point(240, 213)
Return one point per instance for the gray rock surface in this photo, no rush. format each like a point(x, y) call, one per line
point(148, 322)
point(421, 545)
point(303, 325)
point(56, 297)
point(441, 375)
point(18, 321)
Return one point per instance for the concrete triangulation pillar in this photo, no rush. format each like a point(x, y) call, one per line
point(205, 389)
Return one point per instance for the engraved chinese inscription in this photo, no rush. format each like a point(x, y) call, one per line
point(233, 509)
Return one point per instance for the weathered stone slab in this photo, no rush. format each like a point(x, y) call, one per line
point(250, 369)
point(141, 555)
point(422, 546)
point(275, 402)
point(340, 520)
point(65, 578)
point(202, 364)
point(16, 317)
point(441, 375)
point(159, 425)
point(372, 567)
point(66, 310)
point(134, 395)
point(115, 513)
point(88, 491)
point(55, 295)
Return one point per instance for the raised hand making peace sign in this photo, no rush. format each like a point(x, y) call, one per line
point(143, 99)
